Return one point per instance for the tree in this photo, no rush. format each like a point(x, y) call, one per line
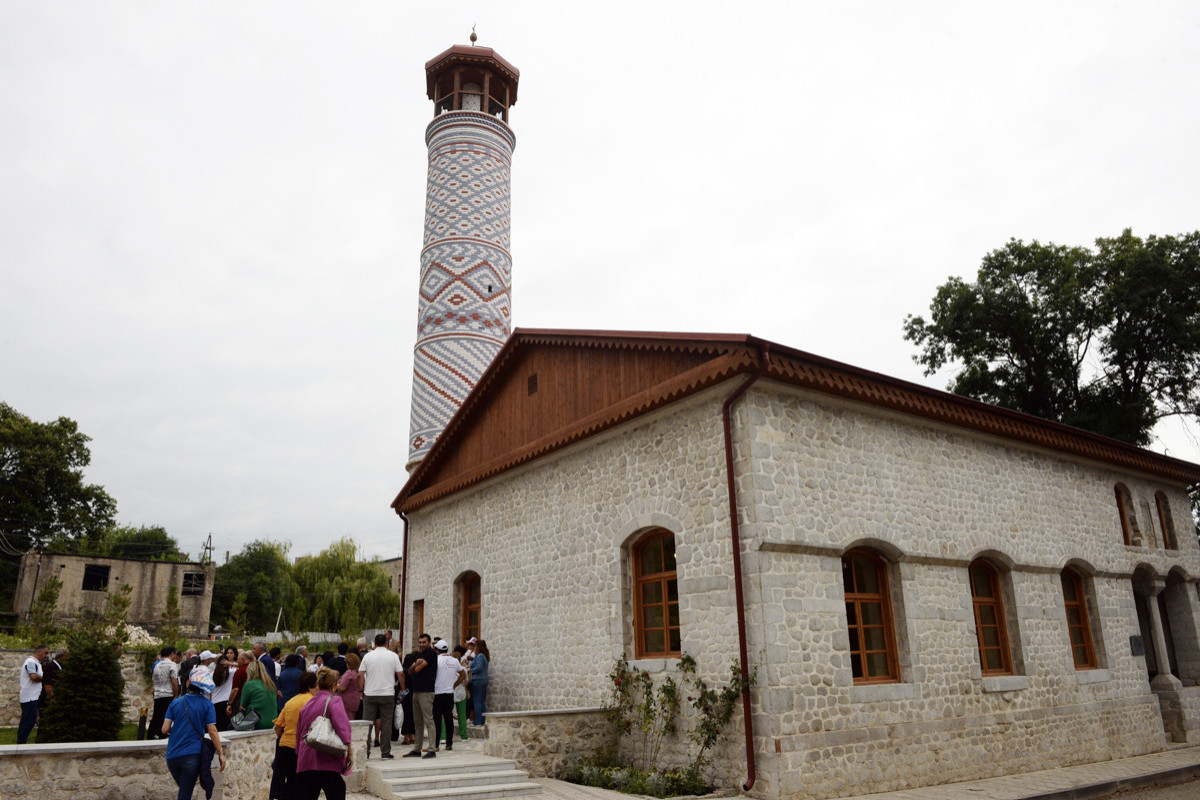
point(1106, 339)
point(89, 695)
point(339, 592)
point(147, 543)
point(169, 632)
point(263, 573)
point(236, 622)
point(43, 496)
point(41, 624)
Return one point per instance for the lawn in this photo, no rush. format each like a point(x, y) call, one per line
point(9, 735)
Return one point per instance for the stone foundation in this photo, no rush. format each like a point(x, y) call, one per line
point(137, 770)
point(543, 743)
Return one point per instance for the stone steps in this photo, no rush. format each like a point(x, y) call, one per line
point(450, 776)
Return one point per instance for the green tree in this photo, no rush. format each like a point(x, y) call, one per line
point(340, 592)
point(43, 496)
point(263, 573)
point(147, 543)
point(236, 621)
point(169, 632)
point(89, 695)
point(1106, 339)
point(41, 624)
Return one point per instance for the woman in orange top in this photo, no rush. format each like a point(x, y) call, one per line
point(283, 773)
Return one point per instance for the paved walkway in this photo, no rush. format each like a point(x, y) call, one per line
point(1068, 783)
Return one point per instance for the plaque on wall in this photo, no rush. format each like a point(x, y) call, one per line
point(1136, 646)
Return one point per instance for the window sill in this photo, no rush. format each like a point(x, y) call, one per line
point(1005, 683)
point(1091, 676)
point(882, 692)
point(654, 664)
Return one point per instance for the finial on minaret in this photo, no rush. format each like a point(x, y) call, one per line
point(474, 38)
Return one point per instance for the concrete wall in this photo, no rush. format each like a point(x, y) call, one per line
point(815, 477)
point(149, 579)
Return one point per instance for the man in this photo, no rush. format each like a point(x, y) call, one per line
point(239, 680)
point(50, 671)
point(450, 674)
point(422, 679)
point(165, 679)
point(260, 652)
point(377, 677)
point(30, 690)
point(302, 651)
point(190, 661)
point(338, 662)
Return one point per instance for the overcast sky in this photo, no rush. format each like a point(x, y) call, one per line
point(211, 212)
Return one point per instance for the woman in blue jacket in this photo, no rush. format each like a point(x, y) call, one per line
point(479, 680)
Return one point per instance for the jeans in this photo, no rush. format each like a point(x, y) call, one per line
point(185, 770)
point(29, 715)
point(479, 697)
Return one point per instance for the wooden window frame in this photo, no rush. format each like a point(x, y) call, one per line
point(979, 604)
point(1079, 584)
point(1125, 509)
point(857, 600)
point(469, 580)
point(666, 579)
point(1166, 522)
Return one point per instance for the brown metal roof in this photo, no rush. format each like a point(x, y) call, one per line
point(719, 357)
point(470, 54)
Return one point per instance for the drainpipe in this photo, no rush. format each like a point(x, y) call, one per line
point(403, 577)
point(737, 559)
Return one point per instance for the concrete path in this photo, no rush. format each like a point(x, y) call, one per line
point(1083, 782)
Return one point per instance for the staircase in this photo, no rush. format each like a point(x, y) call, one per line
point(450, 776)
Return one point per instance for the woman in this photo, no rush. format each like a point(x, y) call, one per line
point(195, 714)
point(460, 695)
point(259, 694)
point(318, 662)
point(288, 676)
point(283, 771)
point(223, 680)
point(347, 685)
point(317, 771)
point(479, 680)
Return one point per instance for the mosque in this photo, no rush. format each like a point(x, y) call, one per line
point(927, 588)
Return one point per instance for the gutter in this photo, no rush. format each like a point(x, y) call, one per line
point(403, 578)
point(735, 538)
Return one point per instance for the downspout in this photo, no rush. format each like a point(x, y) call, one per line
point(737, 560)
point(403, 577)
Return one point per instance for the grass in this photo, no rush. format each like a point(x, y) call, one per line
point(9, 735)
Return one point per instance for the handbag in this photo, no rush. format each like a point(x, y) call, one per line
point(322, 737)
point(244, 720)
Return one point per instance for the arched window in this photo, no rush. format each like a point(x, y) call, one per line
point(471, 603)
point(1079, 624)
point(990, 626)
point(1165, 521)
point(655, 596)
point(1129, 528)
point(869, 618)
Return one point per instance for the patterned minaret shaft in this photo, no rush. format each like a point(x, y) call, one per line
point(464, 312)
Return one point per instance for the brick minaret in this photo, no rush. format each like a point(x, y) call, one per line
point(463, 318)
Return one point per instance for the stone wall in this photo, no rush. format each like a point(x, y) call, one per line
point(137, 770)
point(543, 743)
point(817, 476)
point(138, 693)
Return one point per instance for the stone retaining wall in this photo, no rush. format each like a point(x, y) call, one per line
point(137, 686)
point(136, 770)
point(543, 742)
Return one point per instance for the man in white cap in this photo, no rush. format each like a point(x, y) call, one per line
point(450, 673)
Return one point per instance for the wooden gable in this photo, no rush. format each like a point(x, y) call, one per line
point(548, 389)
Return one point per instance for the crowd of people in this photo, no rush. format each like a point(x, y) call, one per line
point(209, 692)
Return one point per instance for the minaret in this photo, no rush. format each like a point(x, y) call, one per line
point(463, 318)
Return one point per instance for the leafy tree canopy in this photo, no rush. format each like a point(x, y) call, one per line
point(263, 573)
point(1106, 339)
point(43, 496)
point(147, 542)
point(340, 592)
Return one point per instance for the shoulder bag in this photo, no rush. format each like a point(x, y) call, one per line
point(244, 720)
point(322, 737)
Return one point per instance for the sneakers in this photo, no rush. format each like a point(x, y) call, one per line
point(449, 746)
point(387, 755)
point(430, 754)
point(413, 754)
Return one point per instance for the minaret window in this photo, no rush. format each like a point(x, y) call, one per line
point(472, 97)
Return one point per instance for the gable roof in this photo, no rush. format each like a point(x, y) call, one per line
point(548, 389)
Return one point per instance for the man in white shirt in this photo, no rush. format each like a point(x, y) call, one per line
point(377, 676)
point(450, 673)
point(31, 690)
point(165, 678)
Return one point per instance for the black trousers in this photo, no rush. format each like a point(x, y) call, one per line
point(443, 714)
point(283, 774)
point(309, 785)
point(154, 731)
